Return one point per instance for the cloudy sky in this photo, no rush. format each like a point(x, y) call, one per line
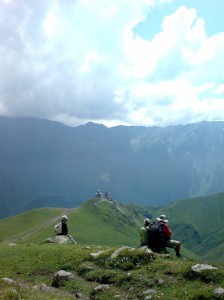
point(129, 62)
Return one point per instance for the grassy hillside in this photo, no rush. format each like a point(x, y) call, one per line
point(198, 223)
point(30, 224)
point(95, 222)
point(131, 275)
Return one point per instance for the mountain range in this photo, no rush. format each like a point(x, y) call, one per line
point(48, 164)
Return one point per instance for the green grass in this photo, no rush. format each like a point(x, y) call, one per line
point(92, 223)
point(18, 226)
point(103, 224)
point(129, 275)
point(197, 223)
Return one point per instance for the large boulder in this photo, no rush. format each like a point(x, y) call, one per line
point(60, 239)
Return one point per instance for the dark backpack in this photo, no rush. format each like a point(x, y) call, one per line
point(155, 238)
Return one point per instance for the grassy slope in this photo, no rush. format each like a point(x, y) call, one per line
point(128, 276)
point(30, 223)
point(102, 224)
point(199, 223)
point(92, 223)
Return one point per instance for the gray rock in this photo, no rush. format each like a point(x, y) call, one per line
point(8, 280)
point(202, 267)
point(149, 297)
point(101, 287)
point(96, 254)
point(150, 291)
point(116, 252)
point(60, 277)
point(147, 251)
point(60, 239)
point(218, 292)
point(160, 281)
point(78, 295)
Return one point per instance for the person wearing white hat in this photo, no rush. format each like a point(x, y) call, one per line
point(166, 234)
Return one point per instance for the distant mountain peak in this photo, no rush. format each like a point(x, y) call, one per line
point(93, 124)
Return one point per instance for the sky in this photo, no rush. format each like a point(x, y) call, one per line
point(120, 62)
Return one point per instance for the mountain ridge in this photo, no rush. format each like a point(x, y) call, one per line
point(46, 163)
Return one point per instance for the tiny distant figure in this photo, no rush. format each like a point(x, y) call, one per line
point(144, 233)
point(62, 228)
point(166, 235)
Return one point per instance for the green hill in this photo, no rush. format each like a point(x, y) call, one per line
point(97, 221)
point(196, 222)
point(101, 225)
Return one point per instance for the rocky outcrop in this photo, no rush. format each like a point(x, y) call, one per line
point(202, 267)
point(60, 277)
point(60, 239)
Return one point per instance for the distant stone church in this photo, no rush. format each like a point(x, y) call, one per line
point(99, 194)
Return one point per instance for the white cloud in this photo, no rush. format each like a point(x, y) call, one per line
point(76, 61)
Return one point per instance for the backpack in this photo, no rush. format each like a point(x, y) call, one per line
point(155, 238)
point(57, 228)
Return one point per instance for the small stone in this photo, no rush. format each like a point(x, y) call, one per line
point(202, 267)
point(116, 252)
point(150, 291)
point(101, 287)
point(8, 280)
point(160, 281)
point(96, 254)
point(61, 276)
point(218, 292)
point(78, 295)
